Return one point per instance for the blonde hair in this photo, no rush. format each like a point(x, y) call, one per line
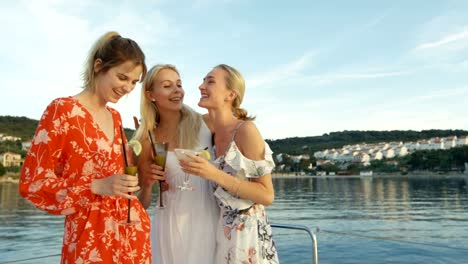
point(235, 82)
point(112, 50)
point(190, 121)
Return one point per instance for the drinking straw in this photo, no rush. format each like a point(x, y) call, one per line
point(152, 143)
point(123, 146)
point(126, 165)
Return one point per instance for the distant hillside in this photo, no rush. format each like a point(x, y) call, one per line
point(24, 127)
point(20, 126)
point(301, 145)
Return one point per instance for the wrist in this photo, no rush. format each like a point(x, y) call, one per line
point(235, 186)
point(146, 188)
point(94, 186)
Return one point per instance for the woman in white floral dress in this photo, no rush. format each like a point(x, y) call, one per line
point(241, 172)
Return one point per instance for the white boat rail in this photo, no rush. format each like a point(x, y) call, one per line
point(306, 229)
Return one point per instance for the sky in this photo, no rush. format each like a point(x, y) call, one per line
point(311, 67)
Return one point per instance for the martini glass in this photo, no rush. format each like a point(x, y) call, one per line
point(181, 154)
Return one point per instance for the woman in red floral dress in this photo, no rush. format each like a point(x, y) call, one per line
point(75, 166)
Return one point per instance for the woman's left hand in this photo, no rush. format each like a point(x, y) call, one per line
point(199, 166)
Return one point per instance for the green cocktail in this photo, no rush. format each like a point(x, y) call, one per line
point(160, 161)
point(131, 170)
point(160, 153)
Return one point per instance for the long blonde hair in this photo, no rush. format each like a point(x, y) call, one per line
point(112, 50)
point(235, 82)
point(190, 121)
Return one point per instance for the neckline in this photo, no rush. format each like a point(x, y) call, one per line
point(232, 140)
point(96, 125)
point(226, 151)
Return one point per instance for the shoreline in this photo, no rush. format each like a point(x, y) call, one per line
point(10, 177)
point(14, 177)
point(375, 175)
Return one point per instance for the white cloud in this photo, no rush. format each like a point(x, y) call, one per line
point(281, 72)
point(331, 85)
point(439, 94)
point(204, 3)
point(48, 42)
point(448, 39)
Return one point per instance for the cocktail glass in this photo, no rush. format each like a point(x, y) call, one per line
point(181, 154)
point(160, 159)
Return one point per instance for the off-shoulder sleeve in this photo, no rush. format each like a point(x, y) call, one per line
point(41, 181)
point(250, 168)
point(243, 168)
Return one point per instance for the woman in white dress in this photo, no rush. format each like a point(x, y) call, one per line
point(241, 172)
point(184, 231)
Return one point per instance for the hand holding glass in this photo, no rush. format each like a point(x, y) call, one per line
point(130, 169)
point(181, 154)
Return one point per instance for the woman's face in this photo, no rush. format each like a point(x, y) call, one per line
point(117, 81)
point(167, 91)
point(214, 93)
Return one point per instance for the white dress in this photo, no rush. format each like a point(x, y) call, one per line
point(184, 231)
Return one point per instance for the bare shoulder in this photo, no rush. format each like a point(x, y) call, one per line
point(250, 141)
point(208, 122)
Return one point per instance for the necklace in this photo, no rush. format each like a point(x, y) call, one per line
point(166, 136)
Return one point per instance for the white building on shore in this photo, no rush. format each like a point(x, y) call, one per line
point(365, 153)
point(10, 159)
point(462, 141)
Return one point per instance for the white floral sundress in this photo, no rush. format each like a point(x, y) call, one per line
point(243, 234)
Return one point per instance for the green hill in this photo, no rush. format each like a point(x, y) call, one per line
point(23, 127)
point(18, 126)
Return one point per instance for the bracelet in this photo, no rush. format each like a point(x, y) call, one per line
point(235, 189)
point(238, 188)
point(233, 186)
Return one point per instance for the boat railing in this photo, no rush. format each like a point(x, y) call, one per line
point(308, 231)
point(282, 226)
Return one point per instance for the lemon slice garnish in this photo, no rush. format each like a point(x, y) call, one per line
point(136, 146)
point(205, 154)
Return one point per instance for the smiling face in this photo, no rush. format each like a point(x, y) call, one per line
point(117, 81)
point(214, 92)
point(167, 92)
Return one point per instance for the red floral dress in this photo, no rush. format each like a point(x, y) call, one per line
point(68, 151)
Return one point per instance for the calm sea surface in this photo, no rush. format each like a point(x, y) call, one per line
point(417, 219)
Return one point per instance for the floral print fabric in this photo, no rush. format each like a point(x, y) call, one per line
point(243, 233)
point(68, 151)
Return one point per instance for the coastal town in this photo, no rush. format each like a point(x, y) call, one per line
point(361, 155)
point(364, 154)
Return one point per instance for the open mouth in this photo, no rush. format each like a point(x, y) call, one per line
point(119, 93)
point(175, 99)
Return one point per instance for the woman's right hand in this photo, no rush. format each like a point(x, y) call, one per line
point(151, 173)
point(116, 185)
